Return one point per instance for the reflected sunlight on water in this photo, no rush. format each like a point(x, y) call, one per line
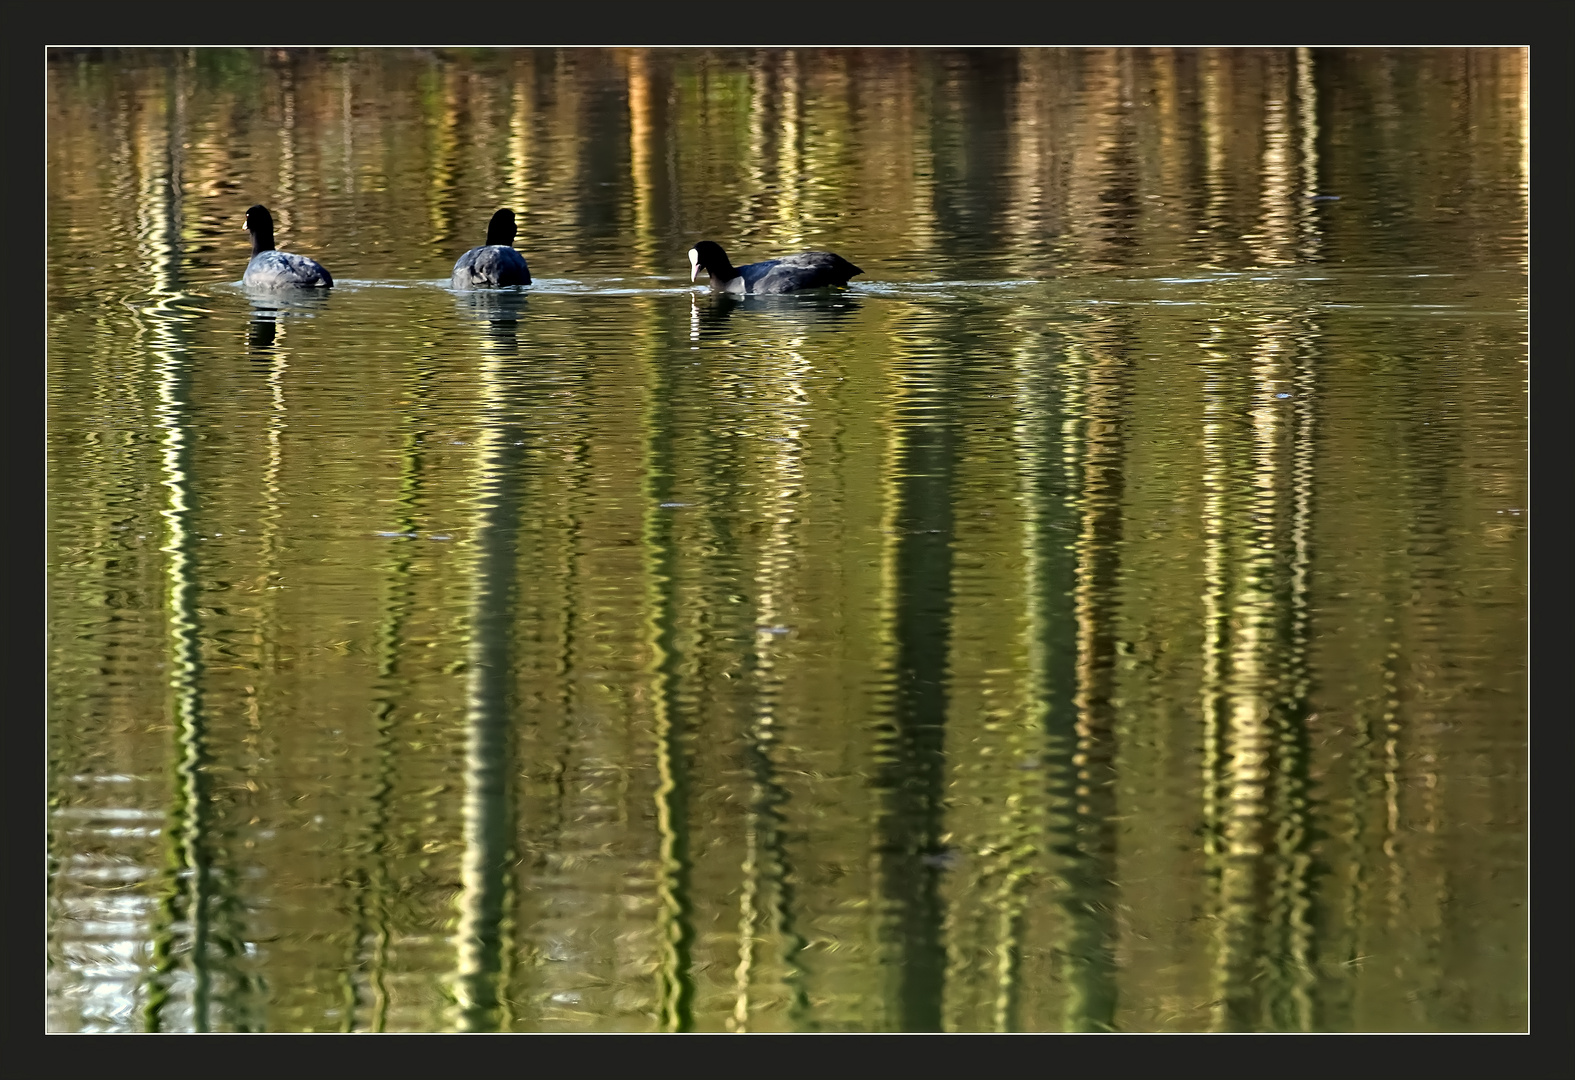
point(1106, 614)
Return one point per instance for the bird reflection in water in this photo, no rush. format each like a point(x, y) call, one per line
point(262, 333)
point(501, 310)
point(269, 310)
point(711, 315)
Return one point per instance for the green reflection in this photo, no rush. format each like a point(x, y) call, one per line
point(195, 907)
point(910, 759)
point(484, 936)
point(675, 934)
point(1106, 615)
point(767, 897)
point(374, 887)
point(1047, 481)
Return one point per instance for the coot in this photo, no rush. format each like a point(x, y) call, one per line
point(270, 269)
point(496, 264)
point(809, 270)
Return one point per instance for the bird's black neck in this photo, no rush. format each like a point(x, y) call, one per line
point(262, 240)
point(499, 235)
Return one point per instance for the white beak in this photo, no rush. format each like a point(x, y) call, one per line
point(694, 265)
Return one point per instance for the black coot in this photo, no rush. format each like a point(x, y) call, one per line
point(792, 273)
point(496, 264)
point(270, 269)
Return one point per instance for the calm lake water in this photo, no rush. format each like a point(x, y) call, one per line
point(1109, 613)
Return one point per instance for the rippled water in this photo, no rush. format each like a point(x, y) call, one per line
point(1108, 613)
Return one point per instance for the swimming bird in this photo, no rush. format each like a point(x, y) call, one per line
point(270, 269)
point(496, 264)
point(792, 273)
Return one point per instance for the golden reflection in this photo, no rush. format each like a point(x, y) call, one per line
point(899, 154)
point(188, 889)
point(1215, 121)
point(347, 125)
point(1215, 482)
point(643, 141)
point(1030, 130)
point(1174, 150)
point(1089, 942)
point(442, 119)
point(1298, 728)
point(378, 891)
point(478, 109)
point(758, 184)
point(522, 109)
point(484, 939)
point(914, 639)
point(747, 918)
point(765, 871)
point(1012, 854)
point(273, 496)
point(675, 933)
point(1258, 489)
point(1523, 79)
point(285, 209)
point(1246, 720)
point(788, 226)
point(885, 660)
point(565, 117)
point(1284, 689)
point(562, 757)
point(1390, 758)
point(1275, 242)
point(1036, 180)
point(1307, 121)
point(921, 785)
point(1096, 221)
point(1216, 512)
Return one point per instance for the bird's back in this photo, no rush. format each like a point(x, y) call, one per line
point(279, 269)
point(808, 270)
point(493, 265)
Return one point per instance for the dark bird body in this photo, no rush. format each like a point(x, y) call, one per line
point(271, 269)
point(495, 264)
point(791, 273)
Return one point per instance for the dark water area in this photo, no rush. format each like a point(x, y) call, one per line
point(1108, 613)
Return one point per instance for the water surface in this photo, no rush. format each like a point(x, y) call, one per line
point(1107, 614)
